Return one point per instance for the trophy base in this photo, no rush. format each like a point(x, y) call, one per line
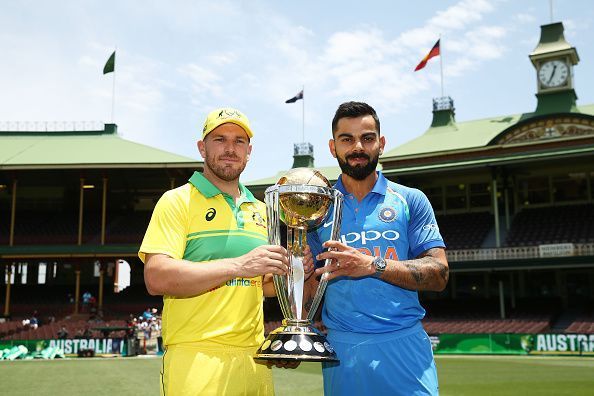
point(296, 340)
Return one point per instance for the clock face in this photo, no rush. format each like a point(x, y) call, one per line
point(553, 73)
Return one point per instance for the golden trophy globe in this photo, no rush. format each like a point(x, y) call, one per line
point(303, 200)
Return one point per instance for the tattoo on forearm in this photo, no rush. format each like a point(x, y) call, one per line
point(425, 272)
point(444, 273)
point(415, 271)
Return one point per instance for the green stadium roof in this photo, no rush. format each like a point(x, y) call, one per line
point(83, 149)
point(455, 136)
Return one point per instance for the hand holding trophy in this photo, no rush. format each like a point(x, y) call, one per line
point(303, 200)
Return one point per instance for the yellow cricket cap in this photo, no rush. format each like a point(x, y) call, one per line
point(224, 115)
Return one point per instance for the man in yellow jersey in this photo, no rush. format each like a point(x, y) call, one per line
point(205, 251)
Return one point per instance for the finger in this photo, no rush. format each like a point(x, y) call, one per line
point(275, 267)
point(281, 363)
point(333, 266)
point(323, 270)
point(308, 268)
point(308, 260)
point(335, 245)
point(277, 270)
point(335, 274)
point(275, 248)
point(331, 254)
point(283, 266)
point(278, 257)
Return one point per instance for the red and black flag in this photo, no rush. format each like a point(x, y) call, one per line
point(295, 98)
point(434, 52)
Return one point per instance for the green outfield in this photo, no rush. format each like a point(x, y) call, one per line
point(459, 375)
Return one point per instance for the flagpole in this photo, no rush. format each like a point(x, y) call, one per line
point(303, 115)
point(113, 88)
point(441, 64)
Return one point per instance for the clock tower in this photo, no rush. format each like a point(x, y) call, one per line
point(554, 59)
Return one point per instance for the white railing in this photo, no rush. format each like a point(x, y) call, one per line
point(303, 149)
point(443, 103)
point(50, 126)
point(506, 253)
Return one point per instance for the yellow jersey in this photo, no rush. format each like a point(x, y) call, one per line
point(198, 222)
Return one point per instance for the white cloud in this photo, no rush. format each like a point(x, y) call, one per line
point(459, 66)
point(370, 45)
point(460, 15)
point(205, 85)
point(222, 58)
point(454, 18)
point(524, 18)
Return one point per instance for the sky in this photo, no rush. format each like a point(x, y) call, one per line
point(177, 60)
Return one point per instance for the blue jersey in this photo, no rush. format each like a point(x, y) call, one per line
point(392, 221)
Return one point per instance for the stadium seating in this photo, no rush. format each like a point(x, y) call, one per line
point(552, 224)
point(531, 226)
point(521, 324)
point(77, 328)
point(582, 324)
point(483, 316)
point(9, 328)
point(127, 227)
point(465, 230)
point(33, 228)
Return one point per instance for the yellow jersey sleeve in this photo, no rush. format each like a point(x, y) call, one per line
point(167, 230)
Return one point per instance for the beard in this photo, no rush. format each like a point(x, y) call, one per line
point(226, 172)
point(358, 172)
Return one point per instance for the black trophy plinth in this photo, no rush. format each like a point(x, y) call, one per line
point(296, 340)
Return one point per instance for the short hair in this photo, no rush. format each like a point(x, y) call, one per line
point(353, 110)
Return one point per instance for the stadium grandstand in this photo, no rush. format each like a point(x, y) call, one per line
point(513, 195)
point(75, 200)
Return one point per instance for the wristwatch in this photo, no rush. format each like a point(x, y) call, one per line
point(380, 265)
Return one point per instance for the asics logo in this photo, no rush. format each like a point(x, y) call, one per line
point(371, 235)
point(210, 214)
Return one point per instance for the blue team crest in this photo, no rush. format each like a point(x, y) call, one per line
point(387, 214)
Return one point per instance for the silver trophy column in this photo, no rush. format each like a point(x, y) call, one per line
point(301, 207)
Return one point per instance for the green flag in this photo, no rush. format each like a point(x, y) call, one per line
point(110, 64)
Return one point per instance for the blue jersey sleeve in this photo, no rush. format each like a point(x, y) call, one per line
point(423, 232)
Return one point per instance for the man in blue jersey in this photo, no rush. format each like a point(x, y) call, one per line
point(390, 248)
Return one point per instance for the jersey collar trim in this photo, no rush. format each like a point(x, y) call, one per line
point(209, 190)
point(380, 186)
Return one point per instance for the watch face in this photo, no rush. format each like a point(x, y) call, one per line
point(553, 73)
point(380, 264)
